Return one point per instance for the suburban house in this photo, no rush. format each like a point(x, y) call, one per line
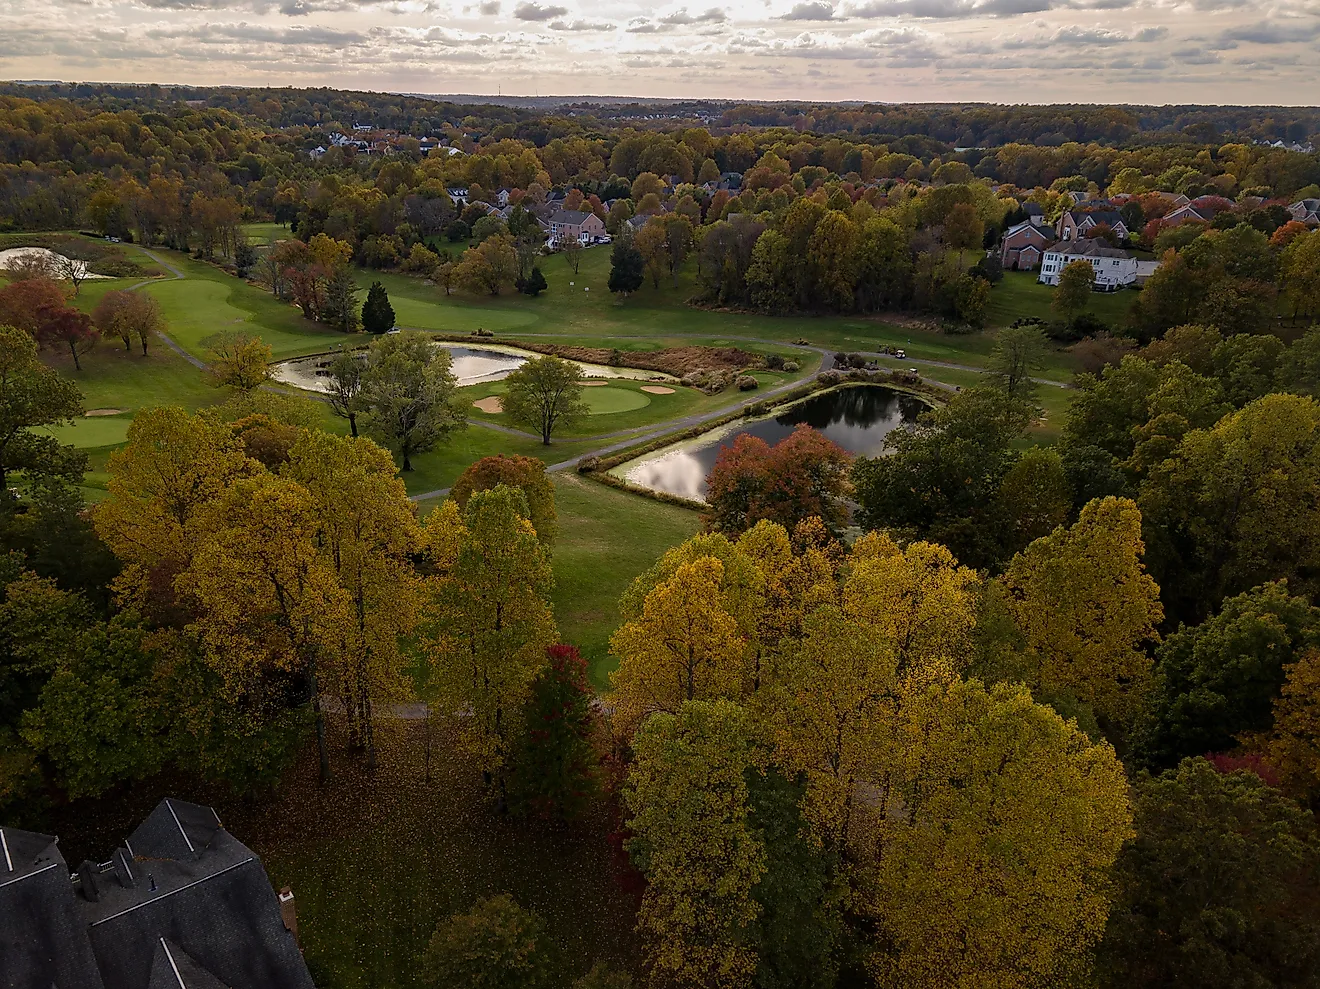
point(182, 905)
point(1075, 224)
point(1189, 213)
point(571, 224)
point(458, 195)
point(1023, 246)
point(1035, 212)
point(1306, 211)
point(1114, 269)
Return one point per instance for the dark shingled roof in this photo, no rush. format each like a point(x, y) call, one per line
point(185, 905)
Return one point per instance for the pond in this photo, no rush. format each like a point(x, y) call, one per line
point(472, 366)
point(856, 418)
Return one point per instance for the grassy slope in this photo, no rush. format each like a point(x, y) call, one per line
point(594, 565)
point(1019, 294)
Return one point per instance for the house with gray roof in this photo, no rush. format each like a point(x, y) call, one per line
point(182, 904)
point(1114, 269)
point(1075, 224)
point(1306, 211)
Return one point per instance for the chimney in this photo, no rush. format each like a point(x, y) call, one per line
point(87, 880)
point(289, 914)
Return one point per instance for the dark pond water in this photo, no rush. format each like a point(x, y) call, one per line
point(858, 419)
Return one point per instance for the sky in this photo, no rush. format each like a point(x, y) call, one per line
point(996, 51)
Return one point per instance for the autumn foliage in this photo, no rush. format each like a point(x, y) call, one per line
point(801, 476)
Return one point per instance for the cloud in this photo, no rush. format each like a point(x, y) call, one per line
point(532, 11)
point(643, 25)
point(1084, 37)
point(949, 9)
point(713, 15)
point(1267, 33)
point(490, 9)
point(1149, 34)
point(580, 25)
point(811, 10)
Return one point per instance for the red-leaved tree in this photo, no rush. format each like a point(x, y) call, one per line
point(555, 768)
point(804, 475)
point(68, 326)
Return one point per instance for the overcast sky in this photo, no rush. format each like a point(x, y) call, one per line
point(1037, 51)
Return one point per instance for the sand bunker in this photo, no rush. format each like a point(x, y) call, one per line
point(657, 390)
point(492, 404)
point(15, 255)
point(103, 412)
point(592, 384)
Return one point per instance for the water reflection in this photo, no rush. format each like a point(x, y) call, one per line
point(858, 419)
point(472, 366)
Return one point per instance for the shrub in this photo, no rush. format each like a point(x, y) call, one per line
point(747, 383)
point(792, 366)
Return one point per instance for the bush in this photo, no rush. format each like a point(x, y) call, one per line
point(774, 362)
point(747, 383)
point(792, 367)
point(828, 378)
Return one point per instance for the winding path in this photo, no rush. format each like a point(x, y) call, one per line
point(626, 437)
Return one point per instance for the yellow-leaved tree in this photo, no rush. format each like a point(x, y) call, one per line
point(828, 705)
point(267, 602)
point(1087, 608)
point(488, 620)
point(367, 529)
point(984, 859)
point(692, 836)
point(919, 598)
point(683, 646)
point(1292, 746)
point(798, 575)
point(164, 488)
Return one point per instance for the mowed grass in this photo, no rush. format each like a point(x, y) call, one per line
point(606, 538)
point(1019, 294)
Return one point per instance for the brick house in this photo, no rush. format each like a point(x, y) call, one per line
point(1114, 269)
point(569, 224)
point(1076, 224)
point(1023, 246)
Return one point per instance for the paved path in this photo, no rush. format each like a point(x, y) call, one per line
point(629, 437)
point(176, 273)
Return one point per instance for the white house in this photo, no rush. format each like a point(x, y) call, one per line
point(1114, 269)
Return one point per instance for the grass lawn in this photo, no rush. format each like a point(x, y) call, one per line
point(1019, 294)
point(594, 562)
point(622, 405)
point(265, 233)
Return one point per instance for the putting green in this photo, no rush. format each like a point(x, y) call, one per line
point(603, 401)
point(89, 434)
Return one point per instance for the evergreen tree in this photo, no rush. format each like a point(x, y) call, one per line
point(341, 309)
point(377, 313)
point(627, 267)
point(535, 283)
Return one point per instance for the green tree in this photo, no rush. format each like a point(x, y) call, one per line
point(407, 395)
point(963, 229)
point(1073, 294)
point(693, 837)
point(627, 266)
point(941, 480)
point(1018, 356)
point(495, 945)
point(101, 718)
point(544, 393)
point(377, 313)
point(341, 308)
point(1232, 506)
point(602, 976)
point(32, 396)
point(1036, 497)
point(535, 283)
point(832, 254)
point(344, 378)
point(1217, 680)
point(1246, 365)
point(1217, 889)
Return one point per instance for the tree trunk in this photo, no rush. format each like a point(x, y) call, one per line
point(352, 424)
point(74, 351)
point(321, 750)
point(407, 462)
